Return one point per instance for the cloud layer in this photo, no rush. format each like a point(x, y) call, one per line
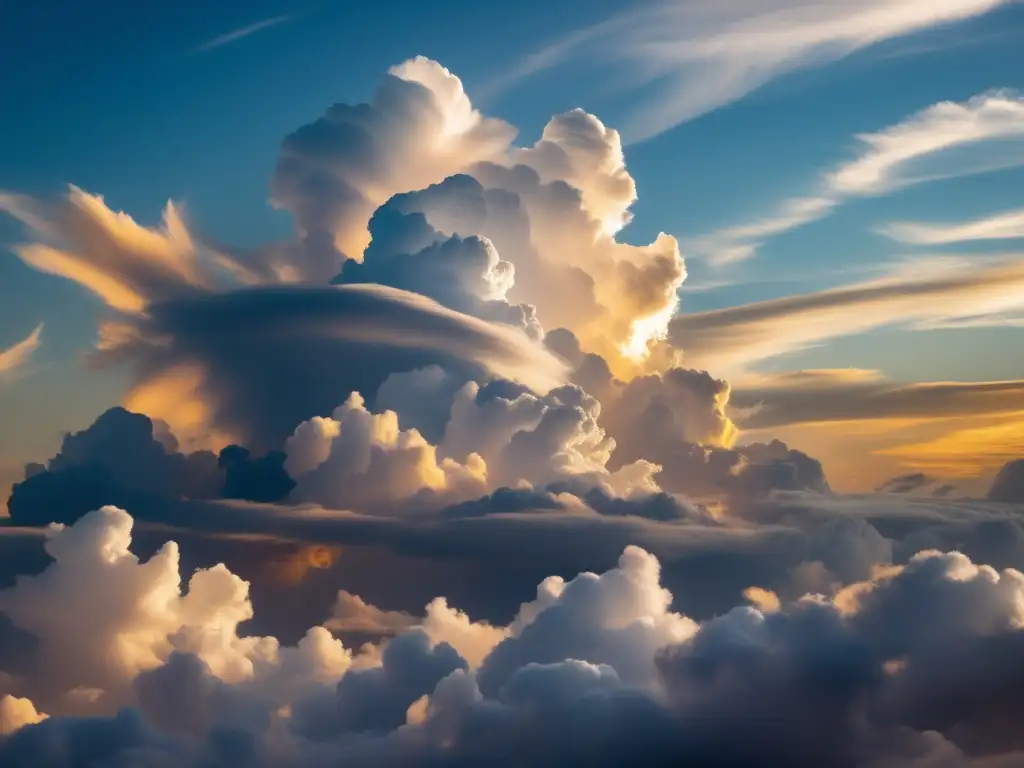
point(591, 670)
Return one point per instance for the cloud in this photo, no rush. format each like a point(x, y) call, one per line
point(238, 34)
point(16, 356)
point(687, 59)
point(909, 483)
point(333, 173)
point(822, 396)
point(497, 236)
point(909, 665)
point(1009, 483)
point(919, 296)
point(360, 460)
point(125, 458)
point(945, 140)
point(1002, 226)
point(16, 713)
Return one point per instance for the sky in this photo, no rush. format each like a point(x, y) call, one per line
point(189, 102)
point(573, 383)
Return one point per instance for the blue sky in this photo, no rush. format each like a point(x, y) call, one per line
point(122, 99)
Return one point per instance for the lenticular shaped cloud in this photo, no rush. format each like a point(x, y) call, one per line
point(301, 349)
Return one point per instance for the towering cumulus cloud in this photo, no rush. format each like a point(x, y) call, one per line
point(435, 482)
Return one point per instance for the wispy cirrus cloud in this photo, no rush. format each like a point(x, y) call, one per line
point(241, 32)
point(1008, 225)
point(689, 58)
point(922, 295)
point(15, 357)
point(848, 395)
point(946, 140)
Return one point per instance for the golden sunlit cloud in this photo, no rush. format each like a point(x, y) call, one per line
point(15, 357)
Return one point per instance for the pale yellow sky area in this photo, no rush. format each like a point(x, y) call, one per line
point(863, 454)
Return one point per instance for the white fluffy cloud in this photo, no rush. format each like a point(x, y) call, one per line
point(359, 460)
point(102, 617)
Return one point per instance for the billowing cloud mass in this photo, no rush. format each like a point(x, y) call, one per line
point(1009, 483)
point(17, 355)
point(445, 480)
point(499, 243)
point(912, 665)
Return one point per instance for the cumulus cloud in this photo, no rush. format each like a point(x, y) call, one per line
point(589, 671)
point(16, 713)
point(333, 173)
point(497, 236)
point(1009, 483)
point(704, 55)
point(126, 459)
point(17, 355)
point(362, 460)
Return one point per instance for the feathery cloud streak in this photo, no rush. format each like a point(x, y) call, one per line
point(922, 296)
point(946, 140)
point(699, 56)
point(14, 357)
point(238, 34)
point(1008, 225)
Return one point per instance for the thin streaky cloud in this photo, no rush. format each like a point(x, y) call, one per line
point(923, 147)
point(688, 57)
point(734, 339)
point(237, 34)
point(827, 396)
point(1008, 225)
point(15, 357)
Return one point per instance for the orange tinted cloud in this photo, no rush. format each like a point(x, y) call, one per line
point(14, 357)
